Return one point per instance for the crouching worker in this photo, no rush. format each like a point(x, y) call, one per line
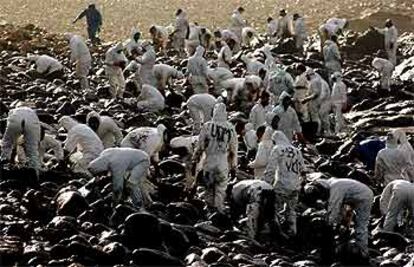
point(257, 199)
point(84, 141)
point(128, 165)
point(22, 121)
point(341, 192)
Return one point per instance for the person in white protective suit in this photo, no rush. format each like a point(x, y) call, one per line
point(181, 32)
point(339, 100)
point(227, 35)
point(331, 56)
point(115, 62)
point(408, 151)
point(134, 67)
point(129, 167)
point(197, 68)
point(22, 121)
point(82, 139)
point(257, 115)
point(319, 101)
point(148, 139)
point(390, 33)
point(133, 45)
point(163, 73)
point(218, 142)
point(253, 66)
point(333, 26)
point(47, 67)
point(225, 56)
point(206, 39)
point(243, 91)
point(106, 128)
point(249, 37)
point(257, 199)
point(283, 171)
point(219, 75)
point(301, 92)
point(270, 62)
point(47, 142)
point(200, 107)
point(184, 146)
point(397, 196)
point(150, 99)
point(194, 39)
point(289, 122)
point(283, 29)
point(81, 56)
point(160, 38)
point(340, 192)
point(391, 162)
point(147, 62)
point(264, 149)
point(385, 69)
point(238, 22)
point(280, 81)
point(250, 139)
point(272, 27)
point(300, 32)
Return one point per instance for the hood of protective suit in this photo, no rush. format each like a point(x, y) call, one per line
point(400, 136)
point(248, 127)
point(161, 128)
point(279, 138)
point(266, 51)
point(329, 42)
point(67, 123)
point(199, 51)
point(94, 114)
point(182, 15)
point(68, 36)
point(267, 136)
point(119, 46)
point(392, 141)
point(220, 113)
point(283, 95)
point(337, 75)
point(133, 32)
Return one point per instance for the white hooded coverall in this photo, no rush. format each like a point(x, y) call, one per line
point(200, 107)
point(301, 34)
point(189, 143)
point(253, 66)
point(45, 64)
point(332, 57)
point(390, 43)
point(385, 68)
point(163, 73)
point(22, 121)
point(355, 194)
point(83, 139)
point(132, 44)
point(194, 39)
point(250, 137)
point(301, 91)
point(114, 71)
point(150, 99)
point(120, 162)
point(218, 140)
point(237, 23)
point(280, 81)
point(108, 131)
point(320, 106)
point(283, 172)
point(288, 119)
point(263, 154)
point(219, 75)
point(181, 30)
point(148, 139)
point(339, 100)
point(397, 196)
point(81, 56)
point(197, 69)
point(258, 113)
point(225, 56)
point(147, 62)
point(247, 193)
point(160, 38)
